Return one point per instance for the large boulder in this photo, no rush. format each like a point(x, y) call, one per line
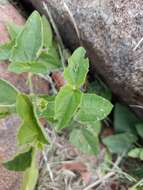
point(110, 30)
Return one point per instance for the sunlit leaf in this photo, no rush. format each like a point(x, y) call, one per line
point(85, 141)
point(5, 50)
point(47, 33)
point(31, 130)
point(13, 30)
point(77, 69)
point(93, 108)
point(33, 67)
point(28, 43)
point(45, 107)
point(66, 104)
point(50, 59)
point(136, 153)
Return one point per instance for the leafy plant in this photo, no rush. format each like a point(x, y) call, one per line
point(33, 49)
point(128, 128)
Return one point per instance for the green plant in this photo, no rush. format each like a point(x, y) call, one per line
point(128, 129)
point(33, 49)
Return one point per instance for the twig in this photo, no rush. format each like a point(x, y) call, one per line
point(48, 78)
point(138, 184)
point(61, 55)
point(109, 175)
point(72, 19)
point(138, 44)
point(136, 106)
point(61, 46)
point(48, 166)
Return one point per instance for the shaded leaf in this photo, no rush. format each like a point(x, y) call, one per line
point(120, 143)
point(100, 88)
point(139, 128)
point(77, 69)
point(66, 104)
point(93, 108)
point(20, 162)
point(31, 130)
point(8, 93)
point(124, 119)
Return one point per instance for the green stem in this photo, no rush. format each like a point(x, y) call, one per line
point(30, 83)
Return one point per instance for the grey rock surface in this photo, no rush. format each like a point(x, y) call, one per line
point(110, 30)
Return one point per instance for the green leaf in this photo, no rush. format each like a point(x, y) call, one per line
point(85, 141)
point(93, 108)
point(50, 59)
point(124, 119)
point(47, 33)
point(94, 127)
point(29, 42)
point(31, 130)
point(5, 50)
point(99, 87)
point(139, 128)
point(8, 93)
point(45, 107)
point(92, 140)
point(13, 30)
point(66, 104)
point(31, 174)
point(134, 153)
point(120, 143)
point(20, 162)
point(33, 67)
point(77, 69)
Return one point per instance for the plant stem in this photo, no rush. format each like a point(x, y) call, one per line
point(30, 83)
point(48, 166)
point(49, 79)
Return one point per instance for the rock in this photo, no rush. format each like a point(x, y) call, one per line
point(110, 30)
point(9, 126)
